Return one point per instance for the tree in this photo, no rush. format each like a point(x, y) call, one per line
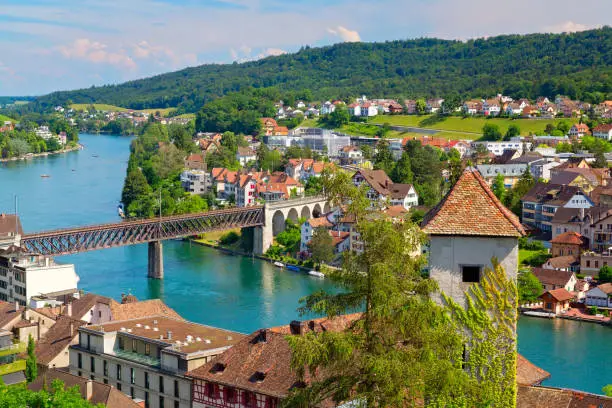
point(321, 246)
point(420, 106)
point(383, 159)
point(134, 187)
point(366, 150)
point(522, 187)
point(339, 117)
point(564, 126)
point(18, 396)
point(529, 286)
point(607, 390)
point(513, 131)
point(426, 171)
point(491, 131)
point(605, 274)
point(31, 371)
point(450, 104)
point(499, 189)
point(600, 161)
point(402, 172)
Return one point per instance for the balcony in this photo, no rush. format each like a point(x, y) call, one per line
point(138, 358)
point(13, 349)
point(13, 367)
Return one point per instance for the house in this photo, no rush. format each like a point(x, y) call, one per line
point(327, 108)
point(195, 181)
point(577, 220)
point(513, 109)
point(246, 190)
point(257, 372)
point(563, 263)
point(552, 279)
point(96, 392)
point(556, 301)
point(603, 131)
point(268, 125)
point(511, 172)
point(544, 199)
point(340, 240)
point(351, 155)
point(410, 105)
point(601, 232)
point(461, 146)
point(599, 296)
point(382, 189)
point(498, 148)
point(583, 179)
point(52, 350)
point(217, 177)
point(147, 358)
point(547, 397)
point(491, 107)
point(308, 227)
point(245, 155)
point(364, 109)
point(473, 107)
point(208, 146)
point(569, 243)
point(433, 105)
point(581, 288)
point(578, 130)
point(466, 230)
point(591, 262)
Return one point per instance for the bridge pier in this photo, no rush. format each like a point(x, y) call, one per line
point(156, 260)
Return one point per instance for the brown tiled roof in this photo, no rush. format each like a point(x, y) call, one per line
point(471, 208)
point(245, 151)
point(399, 191)
point(568, 175)
point(562, 262)
point(144, 308)
point(396, 211)
point(560, 295)
point(86, 302)
point(566, 215)
point(605, 288)
point(101, 393)
point(217, 173)
point(528, 373)
point(552, 276)
point(546, 397)
point(338, 236)
point(581, 285)
point(195, 158)
point(145, 327)
point(377, 179)
point(551, 194)
point(7, 224)
point(8, 314)
point(603, 128)
point(569, 238)
point(271, 357)
point(57, 339)
point(319, 222)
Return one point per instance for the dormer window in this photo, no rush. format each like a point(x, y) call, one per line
point(218, 368)
point(258, 377)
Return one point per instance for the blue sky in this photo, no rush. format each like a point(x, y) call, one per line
point(48, 45)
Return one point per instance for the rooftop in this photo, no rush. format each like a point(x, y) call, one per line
point(57, 339)
point(186, 337)
point(560, 295)
point(8, 224)
point(546, 397)
point(569, 238)
point(470, 208)
point(552, 276)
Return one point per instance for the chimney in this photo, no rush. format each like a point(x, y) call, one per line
point(582, 214)
point(263, 334)
point(16, 305)
point(69, 309)
point(71, 329)
point(296, 327)
point(89, 390)
point(169, 335)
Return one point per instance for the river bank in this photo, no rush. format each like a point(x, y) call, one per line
point(43, 154)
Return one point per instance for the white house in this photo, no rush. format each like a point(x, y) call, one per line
point(245, 155)
point(327, 108)
point(365, 109)
point(578, 130)
point(603, 131)
point(245, 190)
point(383, 190)
point(600, 296)
point(491, 107)
point(308, 227)
point(497, 148)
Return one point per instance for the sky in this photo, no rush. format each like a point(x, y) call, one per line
point(50, 45)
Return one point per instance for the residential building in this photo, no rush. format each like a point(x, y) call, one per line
point(43, 132)
point(546, 397)
point(581, 178)
point(195, 181)
point(570, 164)
point(257, 372)
point(513, 109)
point(12, 367)
point(552, 279)
point(351, 155)
point(147, 358)
point(601, 232)
point(52, 348)
point(511, 172)
point(473, 107)
point(541, 169)
point(195, 162)
point(563, 263)
point(327, 108)
point(491, 107)
point(245, 155)
point(569, 243)
point(542, 202)
point(591, 262)
point(383, 192)
point(433, 105)
point(556, 301)
point(308, 227)
point(603, 131)
point(97, 393)
point(318, 140)
point(410, 105)
point(25, 275)
point(365, 109)
point(466, 230)
point(578, 130)
point(246, 190)
point(497, 148)
point(463, 147)
point(340, 240)
point(599, 296)
point(10, 230)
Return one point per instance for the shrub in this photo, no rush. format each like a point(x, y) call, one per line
point(229, 238)
point(525, 243)
point(593, 310)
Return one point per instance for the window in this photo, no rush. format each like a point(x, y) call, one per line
point(146, 399)
point(118, 371)
point(176, 404)
point(134, 345)
point(121, 345)
point(161, 384)
point(119, 386)
point(91, 312)
point(147, 349)
point(93, 377)
point(80, 374)
point(470, 273)
point(92, 364)
point(99, 313)
point(161, 401)
point(146, 380)
point(105, 368)
point(132, 392)
point(132, 376)
point(79, 360)
point(105, 381)
point(176, 388)
point(588, 264)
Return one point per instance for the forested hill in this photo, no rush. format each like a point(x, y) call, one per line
point(578, 65)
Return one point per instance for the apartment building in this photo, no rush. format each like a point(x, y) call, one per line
point(195, 181)
point(146, 358)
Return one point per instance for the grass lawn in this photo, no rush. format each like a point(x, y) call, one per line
point(456, 124)
point(113, 108)
point(164, 112)
point(525, 254)
point(5, 118)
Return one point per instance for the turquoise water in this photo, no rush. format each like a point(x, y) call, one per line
point(233, 292)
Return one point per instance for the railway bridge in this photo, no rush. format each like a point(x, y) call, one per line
point(267, 220)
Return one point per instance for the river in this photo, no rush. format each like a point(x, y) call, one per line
point(237, 293)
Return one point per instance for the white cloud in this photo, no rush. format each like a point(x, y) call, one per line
point(97, 53)
point(243, 54)
point(568, 27)
point(271, 52)
point(345, 34)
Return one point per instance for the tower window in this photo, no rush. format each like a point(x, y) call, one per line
point(470, 273)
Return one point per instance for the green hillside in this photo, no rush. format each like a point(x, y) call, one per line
point(578, 65)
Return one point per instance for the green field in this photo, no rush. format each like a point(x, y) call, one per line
point(465, 128)
point(113, 108)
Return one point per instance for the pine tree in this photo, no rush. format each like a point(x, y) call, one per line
point(402, 173)
point(499, 189)
point(31, 371)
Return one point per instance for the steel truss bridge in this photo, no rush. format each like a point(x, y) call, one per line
point(82, 239)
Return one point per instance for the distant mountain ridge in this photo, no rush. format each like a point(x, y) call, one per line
point(577, 64)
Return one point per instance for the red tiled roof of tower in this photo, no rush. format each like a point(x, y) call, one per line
point(471, 208)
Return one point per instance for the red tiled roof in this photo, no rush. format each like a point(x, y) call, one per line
point(570, 238)
point(603, 128)
point(195, 158)
point(338, 236)
point(560, 295)
point(471, 208)
point(606, 288)
point(528, 373)
point(562, 262)
point(319, 222)
point(547, 397)
point(552, 276)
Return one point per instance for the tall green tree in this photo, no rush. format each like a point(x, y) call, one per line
point(513, 131)
point(31, 371)
point(499, 189)
point(321, 246)
point(420, 106)
point(402, 172)
point(383, 159)
point(135, 186)
point(600, 161)
point(491, 131)
point(529, 286)
point(605, 274)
